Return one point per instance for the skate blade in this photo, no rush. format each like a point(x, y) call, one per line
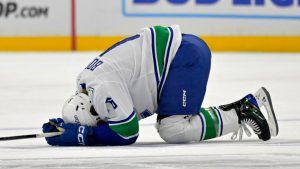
point(263, 98)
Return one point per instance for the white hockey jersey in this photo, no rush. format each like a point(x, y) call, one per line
point(125, 81)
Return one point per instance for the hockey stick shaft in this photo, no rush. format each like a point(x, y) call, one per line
point(52, 134)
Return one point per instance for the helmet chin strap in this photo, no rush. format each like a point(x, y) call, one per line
point(84, 91)
point(93, 111)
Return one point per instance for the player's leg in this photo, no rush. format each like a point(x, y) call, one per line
point(185, 85)
point(183, 91)
point(209, 123)
point(179, 119)
point(213, 122)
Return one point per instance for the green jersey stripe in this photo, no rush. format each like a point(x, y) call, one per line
point(162, 36)
point(216, 119)
point(212, 123)
point(127, 129)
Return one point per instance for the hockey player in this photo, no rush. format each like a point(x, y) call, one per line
point(162, 71)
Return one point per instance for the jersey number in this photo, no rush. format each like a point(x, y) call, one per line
point(94, 64)
point(112, 102)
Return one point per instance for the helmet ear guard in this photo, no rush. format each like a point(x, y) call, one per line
point(79, 110)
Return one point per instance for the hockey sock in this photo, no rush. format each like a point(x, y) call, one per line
point(217, 122)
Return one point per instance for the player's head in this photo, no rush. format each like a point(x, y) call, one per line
point(79, 109)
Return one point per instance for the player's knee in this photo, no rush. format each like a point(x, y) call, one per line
point(200, 47)
point(176, 129)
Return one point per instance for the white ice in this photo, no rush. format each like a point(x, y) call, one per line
point(33, 87)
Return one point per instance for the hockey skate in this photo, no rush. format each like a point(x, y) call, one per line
point(264, 101)
point(249, 113)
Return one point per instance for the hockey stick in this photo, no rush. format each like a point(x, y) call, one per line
point(52, 134)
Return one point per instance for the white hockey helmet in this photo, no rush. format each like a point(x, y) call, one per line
point(79, 109)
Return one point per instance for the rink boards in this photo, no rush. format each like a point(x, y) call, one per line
point(227, 25)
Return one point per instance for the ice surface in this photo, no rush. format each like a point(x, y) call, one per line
point(33, 87)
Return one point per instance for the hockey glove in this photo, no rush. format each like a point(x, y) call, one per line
point(73, 134)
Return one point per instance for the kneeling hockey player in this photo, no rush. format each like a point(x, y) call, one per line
point(159, 70)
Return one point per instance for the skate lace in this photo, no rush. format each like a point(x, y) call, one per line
point(243, 128)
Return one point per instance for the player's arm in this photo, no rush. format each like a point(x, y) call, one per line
point(104, 134)
point(117, 133)
point(121, 127)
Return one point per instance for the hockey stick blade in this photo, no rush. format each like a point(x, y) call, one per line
point(52, 134)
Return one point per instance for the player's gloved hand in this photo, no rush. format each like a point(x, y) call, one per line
point(73, 134)
point(51, 126)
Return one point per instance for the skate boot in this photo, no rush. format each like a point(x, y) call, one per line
point(249, 113)
point(264, 101)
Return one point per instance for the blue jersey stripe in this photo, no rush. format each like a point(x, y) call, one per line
point(202, 122)
point(154, 55)
point(166, 63)
point(124, 120)
point(154, 59)
point(221, 121)
point(120, 43)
